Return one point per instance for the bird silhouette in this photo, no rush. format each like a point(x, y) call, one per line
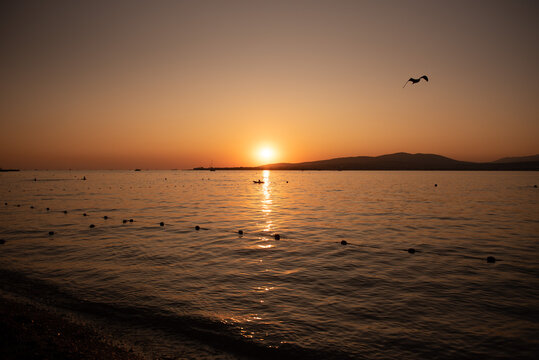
point(415, 81)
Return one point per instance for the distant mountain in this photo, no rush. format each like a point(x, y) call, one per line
point(398, 161)
point(518, 159)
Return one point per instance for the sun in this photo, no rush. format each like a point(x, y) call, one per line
point(266, 154)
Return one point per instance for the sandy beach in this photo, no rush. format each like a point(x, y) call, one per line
point(32, 333)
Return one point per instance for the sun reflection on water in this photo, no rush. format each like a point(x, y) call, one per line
point(266, 200)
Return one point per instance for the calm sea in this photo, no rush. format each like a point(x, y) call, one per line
point(176, 292)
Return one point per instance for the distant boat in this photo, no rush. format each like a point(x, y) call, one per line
point(137, 169)
point(5, 170)
point(258, 182)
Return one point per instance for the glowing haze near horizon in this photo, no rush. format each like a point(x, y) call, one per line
point(178, 84)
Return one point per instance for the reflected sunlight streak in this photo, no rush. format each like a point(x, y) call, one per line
point(266, 200)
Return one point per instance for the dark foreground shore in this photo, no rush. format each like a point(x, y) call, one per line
point(31, 333)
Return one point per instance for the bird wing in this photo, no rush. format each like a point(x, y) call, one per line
point(424, 77)
point(410, 79)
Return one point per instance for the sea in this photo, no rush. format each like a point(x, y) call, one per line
point(305, 265)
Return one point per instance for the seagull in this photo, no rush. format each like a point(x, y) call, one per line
point(414, 81)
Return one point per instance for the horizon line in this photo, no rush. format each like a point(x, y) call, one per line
point(254, 167)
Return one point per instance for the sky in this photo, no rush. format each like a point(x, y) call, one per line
point(178, 84)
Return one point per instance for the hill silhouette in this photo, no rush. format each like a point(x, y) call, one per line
point(399, 161)
point(530, 158)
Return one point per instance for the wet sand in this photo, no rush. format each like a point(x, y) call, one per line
point(31, 333)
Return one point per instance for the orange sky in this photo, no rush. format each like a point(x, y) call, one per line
point(178, 84)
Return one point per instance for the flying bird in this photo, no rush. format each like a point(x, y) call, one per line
point(414, 81)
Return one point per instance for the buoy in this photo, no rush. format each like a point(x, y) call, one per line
point(65, 211)
point(491, 259)
point(344, 242)
point(2, 241)
point(534, 186)
point(277, 237)
point(197, 227)
point(240, 232)
point(411, 250)
point(130, 220)
point(124, 221)
point(162, 223)
point(84, 214)
point(435, 185)
point(92, 226)
point(51, 233)
point(31, 206)
point(48, 209)
point(105, 217)
point(18, 205)
point(5, 204)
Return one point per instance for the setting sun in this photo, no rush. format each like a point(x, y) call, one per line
point(266, 154)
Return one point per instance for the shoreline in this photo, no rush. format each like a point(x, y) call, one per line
point(32, 333)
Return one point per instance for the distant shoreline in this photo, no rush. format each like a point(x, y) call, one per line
point(276, 169)
point(399, 161)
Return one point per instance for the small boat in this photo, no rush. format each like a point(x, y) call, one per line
point(258, 182)
point(137, 169)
